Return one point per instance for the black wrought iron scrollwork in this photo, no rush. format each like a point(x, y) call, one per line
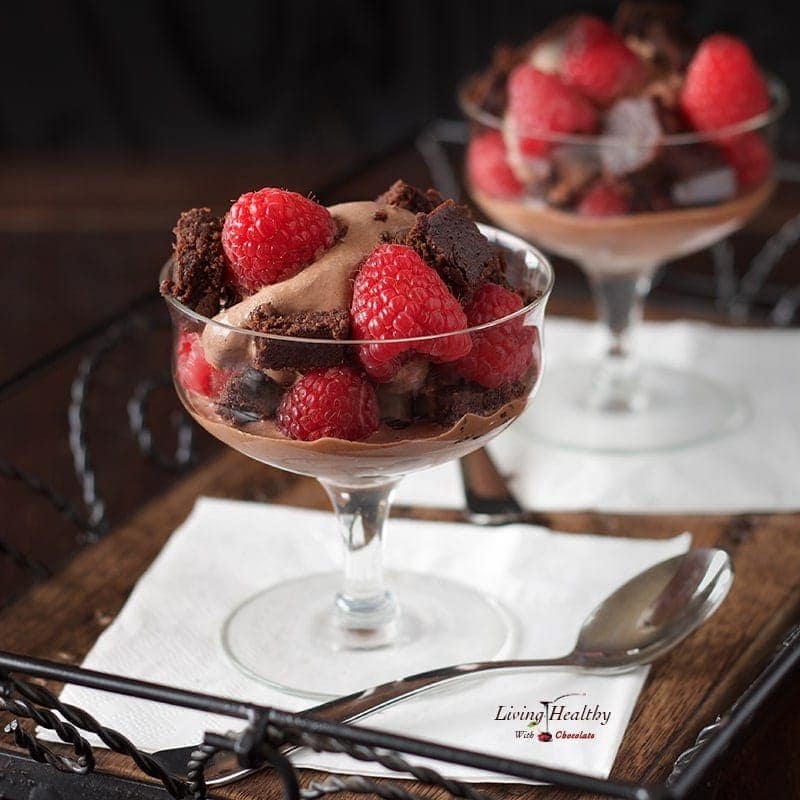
point(388, 760)
point(356, 784)
point(91, 524)
point(37, 703)
point(98, 523)
point(35, 485)
point(268, 735)
point(250, 747)
point(183, 456)
point(257, 745)
point(195, 770)
point(22, 738)
point(762, 266)
point(688, 755)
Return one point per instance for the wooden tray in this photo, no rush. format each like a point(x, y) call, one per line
point(61, 619)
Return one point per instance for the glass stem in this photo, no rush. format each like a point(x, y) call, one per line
point(619, 300)
point(364, 606)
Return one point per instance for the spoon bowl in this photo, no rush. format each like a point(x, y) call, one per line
point(647, 616)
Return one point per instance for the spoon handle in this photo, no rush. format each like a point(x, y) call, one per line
point(489, 500)
point(361, 704)
point(225, 769)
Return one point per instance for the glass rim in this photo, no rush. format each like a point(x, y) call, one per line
point(778, 92)
point(495, 235)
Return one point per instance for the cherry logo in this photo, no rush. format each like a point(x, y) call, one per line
point(545, 735)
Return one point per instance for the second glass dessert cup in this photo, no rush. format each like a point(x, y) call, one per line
point(682, 193)
point(332, 633)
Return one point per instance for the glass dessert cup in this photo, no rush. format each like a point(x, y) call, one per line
point(333, 633)
point(685, 198)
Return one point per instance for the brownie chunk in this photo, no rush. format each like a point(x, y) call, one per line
point(488, 90)
point(446, 403)
point(655, 31)
point(699, 175)
point(648, 189)
point(198, 270)
point(573, 169)
point(449, 241)
point(248, 396)
point(300, 356)
point(404, 195)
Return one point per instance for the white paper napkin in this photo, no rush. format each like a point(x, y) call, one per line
point(169, 630)
point(754, 469)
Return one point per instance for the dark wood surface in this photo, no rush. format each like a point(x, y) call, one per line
point(62, 618)
point(81, 244)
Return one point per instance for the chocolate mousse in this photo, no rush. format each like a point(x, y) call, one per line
point(363, 350)
point(324, 285)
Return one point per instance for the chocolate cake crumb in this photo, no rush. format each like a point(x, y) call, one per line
point(198, 262)
point(404, 195)
point(248, 396)
point(449, 241)
point(380, 216)
point(341, 229)
point(300, 356)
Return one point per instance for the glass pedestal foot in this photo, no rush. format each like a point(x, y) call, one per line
point(672, 409)
point(288, 635)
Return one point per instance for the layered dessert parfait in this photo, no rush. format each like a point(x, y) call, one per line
point(365, 340)
point(622, 145)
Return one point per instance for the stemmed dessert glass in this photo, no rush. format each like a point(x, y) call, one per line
point(615, 402)
point(320, 635)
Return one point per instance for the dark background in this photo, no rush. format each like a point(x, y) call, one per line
point(331, 79)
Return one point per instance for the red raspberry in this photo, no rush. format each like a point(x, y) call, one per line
point(586, 30)
point(488, 167)
point(339, 403)
point(723, 85)
point(398, 296)
point(271, 233)
point(538, 101)
point(500, 354)
point(193, 371)
point(604, 200)
point(750, 156)
point(597, 61)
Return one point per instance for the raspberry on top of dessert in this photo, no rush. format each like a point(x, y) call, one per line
point(628, 85)
point(336, 291)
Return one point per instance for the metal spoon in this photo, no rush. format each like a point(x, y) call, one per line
point(488, 498)
point(636, 624)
